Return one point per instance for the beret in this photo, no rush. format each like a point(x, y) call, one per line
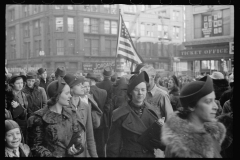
point(137, 79)
point(55, 88)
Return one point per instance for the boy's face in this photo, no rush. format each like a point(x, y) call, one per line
point(13, 138)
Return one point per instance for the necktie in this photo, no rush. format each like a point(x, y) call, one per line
point(15, 153)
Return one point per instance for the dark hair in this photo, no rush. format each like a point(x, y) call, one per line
point(184, 111)
point(53, 100)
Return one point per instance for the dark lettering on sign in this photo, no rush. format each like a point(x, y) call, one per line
point(212, 51)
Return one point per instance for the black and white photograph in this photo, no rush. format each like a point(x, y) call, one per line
point(119, 80)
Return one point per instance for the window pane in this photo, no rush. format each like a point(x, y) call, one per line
point(86, 22)
point(70, 24)
point(94, 8)
point(94, 26)
point(107, 27)
point(114, 27)
point(59, 24)
point(60, 47)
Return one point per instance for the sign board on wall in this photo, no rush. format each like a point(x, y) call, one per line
point(96, 67)
point(212, 24)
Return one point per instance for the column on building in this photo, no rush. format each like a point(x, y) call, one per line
point(81, 36)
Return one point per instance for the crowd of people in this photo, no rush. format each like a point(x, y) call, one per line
point(137, 115)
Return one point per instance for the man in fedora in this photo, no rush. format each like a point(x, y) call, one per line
point(60, 73)
point(37, 98)
point(43, 78)
point(100, 96)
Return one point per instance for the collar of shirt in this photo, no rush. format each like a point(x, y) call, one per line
point(84, 99)
point(10, 151)
point(153, 90)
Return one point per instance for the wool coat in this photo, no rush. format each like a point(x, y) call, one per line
point(50, 133)
point(126, 129)
point(44, 84)
point(37, 98)
point(184, 140)
point(84, 113)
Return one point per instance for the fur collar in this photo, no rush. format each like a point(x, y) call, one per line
point(185, 140)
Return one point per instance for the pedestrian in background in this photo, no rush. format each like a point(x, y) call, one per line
point(174, 92)
point(44, 81)
point(194, 132)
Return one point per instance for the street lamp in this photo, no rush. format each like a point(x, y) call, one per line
point(41, 53)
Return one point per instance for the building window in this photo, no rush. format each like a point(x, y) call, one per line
point(159, 30)
point(107, 27)
point(59, 24)
point(112, 9)
point(71, 45)
point(37, 28)
point(86, 22)
point(176, 32)
point(142, 28)
point(60, 47)
point(95, 47)
point(94, 26)
point(87, 8)
point(12, 14)
point(70, 24)
point(36, 9)
point(87, 47)
point(113, 27)
point(94, 8)
point(58, 6)
point(90, 8)
point(37, 45)
point(165, 31)
point(176, 15)
point(70, 7)
point(107, 47)
point(26, 30)
point(149, 30)
point(12, 33)
point(25, 10)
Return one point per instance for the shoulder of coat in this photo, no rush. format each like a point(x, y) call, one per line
point(120, 111)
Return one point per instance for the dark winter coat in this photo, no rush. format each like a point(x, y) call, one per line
point(227, 145)
point(226, 96)
point(50, 132)
point(220, 86)
point(126, 129)
point(184, 140)
point(174, 99)
point(44, 84)
point(106, 84)
point(37, 98)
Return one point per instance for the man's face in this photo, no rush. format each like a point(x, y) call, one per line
point(44, 75)
point(30, 83)
point(87, 87)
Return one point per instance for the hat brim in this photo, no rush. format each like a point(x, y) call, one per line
point(93, 78)
point(108, 75)
point(12, 80)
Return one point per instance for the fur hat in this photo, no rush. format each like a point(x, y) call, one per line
point(41, 71)
point(61, 71)
point(54, 88)
point(108, 72)
point(72, 80)
point(195, 90)
point(10, 124)
point(92, 76)
point(136, 79)
point(31, 75)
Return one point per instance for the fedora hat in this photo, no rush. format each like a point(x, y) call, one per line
point(92, 76)
point(72, 80)
point(41, 71)
point(108, 72)
point(61, 71)
point(15, 76)
point(31, 75)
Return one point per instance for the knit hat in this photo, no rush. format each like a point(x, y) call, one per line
point(217, 75)
point(195, 90)
point(61, 71)
point(41, 71)
point(10, 124)
point(31, 75)
point(54, 88)
point(137, 79)
point(175, 80)
point(72, 80)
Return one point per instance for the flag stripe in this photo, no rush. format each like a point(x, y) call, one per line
point(130, 56)
point(125, 43)
point(125, 50)
point(127, 58)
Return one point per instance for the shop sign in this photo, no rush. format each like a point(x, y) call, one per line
point(231, 47)
point(205, 52)
point(96, 67)
point(212, 24)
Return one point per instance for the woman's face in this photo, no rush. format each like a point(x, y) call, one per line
point(78, 89)
point(13, 138)
point(206, 108)
point(18, 84)
point(30, 83)
point(139, 93)
point(170, 84)
point(65, 96)
point(87, 87)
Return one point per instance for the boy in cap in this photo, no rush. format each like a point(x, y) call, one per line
point(44, 81)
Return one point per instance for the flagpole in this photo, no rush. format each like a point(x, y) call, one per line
point(119, 24)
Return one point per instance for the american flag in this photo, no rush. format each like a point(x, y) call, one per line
point(125, 47)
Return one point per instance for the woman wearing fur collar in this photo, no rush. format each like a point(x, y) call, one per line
point(193, 132)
